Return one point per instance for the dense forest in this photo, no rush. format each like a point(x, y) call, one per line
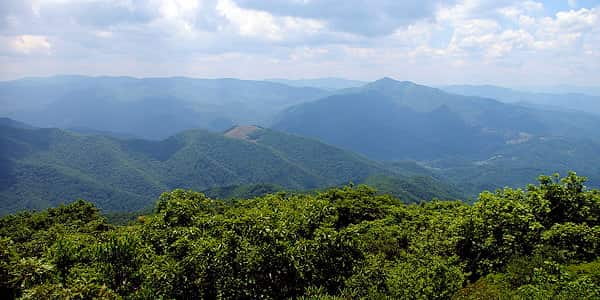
point(40, 168)
point(541, 242)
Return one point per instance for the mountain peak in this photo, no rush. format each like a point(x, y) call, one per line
point(390, 82)
point(386, 80)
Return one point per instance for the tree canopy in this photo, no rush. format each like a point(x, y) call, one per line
point(344, 243)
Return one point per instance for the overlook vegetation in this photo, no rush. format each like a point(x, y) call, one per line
point(344, 243)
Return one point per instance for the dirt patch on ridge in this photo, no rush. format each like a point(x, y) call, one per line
point(242, 132)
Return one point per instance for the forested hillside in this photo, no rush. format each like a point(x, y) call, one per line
point(343, 243)
point(513, 164)
point(40, 168)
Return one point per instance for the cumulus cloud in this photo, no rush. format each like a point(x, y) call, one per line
point(429, 40)
point(262, 24)
point(27, 44)
point(363, 17)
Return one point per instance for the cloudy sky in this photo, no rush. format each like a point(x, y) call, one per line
point(435, 42)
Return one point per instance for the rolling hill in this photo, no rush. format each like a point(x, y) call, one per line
point(42, 167)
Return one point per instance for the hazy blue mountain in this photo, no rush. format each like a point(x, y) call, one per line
point(329, 84)
point(15, 124)
point(375, 125)
point(44, 167)
point(152, 108)
point(564, 89)
point(476, 143)
point(388, 119)
point(570, 101)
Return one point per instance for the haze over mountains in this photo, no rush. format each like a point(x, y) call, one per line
point(153, 108)
point(478, 143)
point(572, 101)
point(128, 139)
point(403, 120)
point(330, 84)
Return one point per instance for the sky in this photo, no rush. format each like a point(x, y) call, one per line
point(501, 42)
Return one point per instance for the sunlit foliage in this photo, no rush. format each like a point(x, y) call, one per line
point(345, 243)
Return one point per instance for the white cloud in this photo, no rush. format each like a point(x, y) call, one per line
point(490, 38)
point(30, 44)
point(260, 24)
point(103, 34)
point(457, 39)
point(178, 9)
point(175, 17)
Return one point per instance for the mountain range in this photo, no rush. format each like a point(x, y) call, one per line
point(151, 108)
point(571, 101)
point(392, 120)
point(477, 143)
point(121, 141)
point(329, 84)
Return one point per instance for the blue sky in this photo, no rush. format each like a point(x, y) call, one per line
point(501, 42)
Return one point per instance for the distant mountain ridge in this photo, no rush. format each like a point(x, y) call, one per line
point(330, 84)
point(572, 101)
point(14, 124)
point(152, 108)
point(388, 119)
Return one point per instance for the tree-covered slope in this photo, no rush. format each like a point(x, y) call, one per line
point(512, 164)
point(43, 167)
